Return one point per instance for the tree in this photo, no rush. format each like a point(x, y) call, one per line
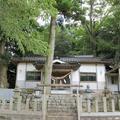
point(66, 4)
point(87, 25)
point(18, 24)
point(109, 35)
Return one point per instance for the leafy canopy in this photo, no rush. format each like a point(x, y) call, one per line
point(18, 23)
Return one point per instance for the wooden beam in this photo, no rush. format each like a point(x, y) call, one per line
point(110, 71)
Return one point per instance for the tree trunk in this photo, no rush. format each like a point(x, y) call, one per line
point(3, 67)
point(49, 59)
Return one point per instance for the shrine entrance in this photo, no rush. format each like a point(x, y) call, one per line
point(61, 78)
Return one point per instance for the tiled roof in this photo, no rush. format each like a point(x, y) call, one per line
point(60, 66)
point(76, 59)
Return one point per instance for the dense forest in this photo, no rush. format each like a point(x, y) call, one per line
point(72, 27)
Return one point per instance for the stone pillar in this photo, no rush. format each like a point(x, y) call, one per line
point(18, 97)
point(113, 105)
point(3, 104)
point(19, 105)
point(27, 104)
point(119, 104)
point(96, 105)
point(11, 104)
point(81, 97)
point(88, 105)
point(17, 92)
point(78, 104)
point(44, 105)
point(104, 104)
point(35, 104)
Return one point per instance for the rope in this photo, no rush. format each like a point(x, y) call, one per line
point(62, 77)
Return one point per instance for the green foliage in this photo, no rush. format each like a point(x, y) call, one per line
point(109, 35)
point(98, 33)
point(48, 7)
point(18, 23)
point(71, 41)
point(64, 6)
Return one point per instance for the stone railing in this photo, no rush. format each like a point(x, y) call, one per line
point(20, 102)
point(54, 104)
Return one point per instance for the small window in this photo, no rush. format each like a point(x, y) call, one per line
point(88, 77)
point(33, 76)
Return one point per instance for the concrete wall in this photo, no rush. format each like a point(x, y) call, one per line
point(99, 69)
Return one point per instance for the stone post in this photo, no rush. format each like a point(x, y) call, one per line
point(11, 104)
point(81, 97)
point(119, 77)
point(78, 104)
point(17, 92)
point(119, 104)
point(96, 105)
point(104, 104)
point(3, 105)
point(44, 104)
point(19, 105)
point(113, 105)
point(27, 104)
point(18, 97)
point(35, 104)
point(89, 105)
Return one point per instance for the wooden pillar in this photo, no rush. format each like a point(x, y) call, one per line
point(106, 81)
point(104, 104)
point(119, 78)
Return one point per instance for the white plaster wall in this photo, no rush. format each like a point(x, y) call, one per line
point(99, 69)
point(75, 76)
point(21, 75)
point(88, 68)
point(101, 76)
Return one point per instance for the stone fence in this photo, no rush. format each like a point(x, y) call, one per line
point(47, 105)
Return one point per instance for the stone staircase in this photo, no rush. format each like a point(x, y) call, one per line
point(61, 107)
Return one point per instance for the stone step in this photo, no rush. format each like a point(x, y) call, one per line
point(61, 118)
point(61, 110)
point(61, 114)
point(64, 107)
